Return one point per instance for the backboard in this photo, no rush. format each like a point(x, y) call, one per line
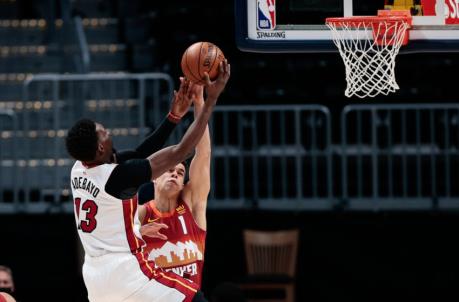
point(299, 25)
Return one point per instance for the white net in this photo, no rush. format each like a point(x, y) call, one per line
point(368, 49)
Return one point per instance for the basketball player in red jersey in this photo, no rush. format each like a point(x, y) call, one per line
point(182, 208)
point(104, 184)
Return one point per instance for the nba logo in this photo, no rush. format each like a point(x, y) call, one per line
point(266, 14)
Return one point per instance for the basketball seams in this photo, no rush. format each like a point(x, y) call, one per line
point(188, 66)
point(215, 58)
point(199, 59)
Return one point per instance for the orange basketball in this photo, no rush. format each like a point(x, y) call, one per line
point(199, 58)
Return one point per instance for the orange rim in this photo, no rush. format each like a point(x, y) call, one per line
point(357, 21)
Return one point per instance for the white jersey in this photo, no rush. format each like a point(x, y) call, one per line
point(105, 223)
point(116, 269)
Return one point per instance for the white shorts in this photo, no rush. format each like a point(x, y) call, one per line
point(126, 277)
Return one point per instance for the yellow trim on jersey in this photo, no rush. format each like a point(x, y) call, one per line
point(180, 282)
point(148, 265)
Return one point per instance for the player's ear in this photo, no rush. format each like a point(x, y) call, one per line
point(100, 148)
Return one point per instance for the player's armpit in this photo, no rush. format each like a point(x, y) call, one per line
point(197, 202)
point(199, 188)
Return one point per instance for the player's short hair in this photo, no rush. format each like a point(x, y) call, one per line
point(82, 140)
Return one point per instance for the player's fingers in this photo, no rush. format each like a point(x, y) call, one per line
point(182, 84)
point(182, 90)
point(162, 225)
point(222, 67)
point(187, 87)
point(227, 73)
point(225, 65)
point(160, 236)
point(206, 79)
point(156, 235)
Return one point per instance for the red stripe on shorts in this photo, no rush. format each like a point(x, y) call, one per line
point(186, 287)
point(167, 279)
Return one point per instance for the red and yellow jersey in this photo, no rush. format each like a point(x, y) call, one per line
point(183, 252)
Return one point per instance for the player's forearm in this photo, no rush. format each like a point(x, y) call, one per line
point(195, 132)
point(203, 148)
point(168, 157)
point(157, 139)
point(198, 108)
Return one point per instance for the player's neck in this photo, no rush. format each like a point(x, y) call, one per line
point(166, 204)
point(90, 164)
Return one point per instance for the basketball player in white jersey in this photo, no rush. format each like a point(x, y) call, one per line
point(182, 208)
point(104, 185)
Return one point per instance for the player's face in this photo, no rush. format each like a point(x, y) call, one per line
point(6, 281)
point(173, 179)
point(105, 149)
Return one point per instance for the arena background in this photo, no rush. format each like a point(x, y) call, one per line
point(366, 254)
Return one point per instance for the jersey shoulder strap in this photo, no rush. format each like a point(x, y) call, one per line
point(151, 214)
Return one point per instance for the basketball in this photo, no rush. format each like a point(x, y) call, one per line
point(199, 58)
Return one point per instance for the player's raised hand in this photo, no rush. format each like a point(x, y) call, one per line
point(182, 99)
point(198, 95)
point(153, 230)
point(215, 88)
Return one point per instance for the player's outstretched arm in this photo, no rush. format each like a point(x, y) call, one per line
point(168, 157)
point(197, 189)
point(155, 141)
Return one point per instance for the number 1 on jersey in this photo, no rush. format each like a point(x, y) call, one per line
point(182, 222)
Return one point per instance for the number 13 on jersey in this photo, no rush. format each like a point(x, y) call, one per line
point(87, 223)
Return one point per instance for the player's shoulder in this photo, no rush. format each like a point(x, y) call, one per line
point(150, 208)
point(184, 202)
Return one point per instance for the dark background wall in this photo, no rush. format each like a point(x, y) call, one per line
point(358, 256)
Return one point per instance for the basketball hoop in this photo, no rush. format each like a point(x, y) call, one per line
point(368, 46)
